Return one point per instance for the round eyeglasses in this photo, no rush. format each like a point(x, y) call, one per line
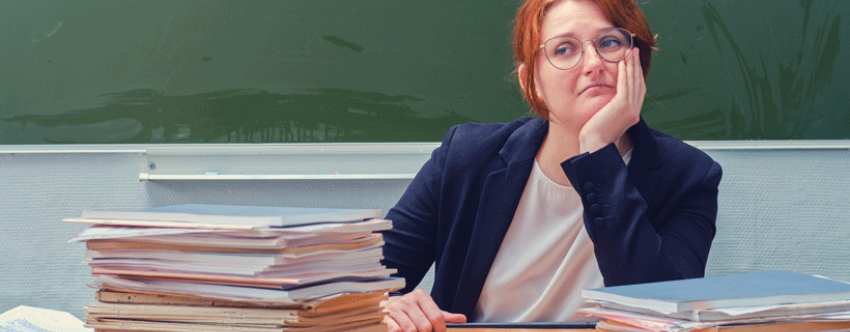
point(565, 52)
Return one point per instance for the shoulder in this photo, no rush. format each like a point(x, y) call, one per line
point(673, 149)
point(476, 140)
point(680, 157)
point(470, 134)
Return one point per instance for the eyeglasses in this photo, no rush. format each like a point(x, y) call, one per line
point(565, 52)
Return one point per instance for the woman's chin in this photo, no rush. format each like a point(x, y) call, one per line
point(580, 112)
point(594, 104)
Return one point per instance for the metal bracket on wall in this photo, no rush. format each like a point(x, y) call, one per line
point(391, 161)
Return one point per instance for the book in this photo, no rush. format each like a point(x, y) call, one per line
point(157, 311)
point(642, 322)
point(804, 326)
point(253, 294)
point(226, 315)
point(740, 290)
point(314, 308)
point(247, 281)
point(288, 236)
point(151, 326)
point(207, 216)
point(266, 261)
point(739, 313)
point(801, 326)
point(146, 243)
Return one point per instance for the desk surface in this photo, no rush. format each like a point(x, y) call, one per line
point(522, 327)
point(492, 329)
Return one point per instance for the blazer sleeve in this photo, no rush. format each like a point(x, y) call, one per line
point(410, 244)
point(630, 248)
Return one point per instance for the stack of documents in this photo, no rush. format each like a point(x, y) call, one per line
point(236, 268)
point(27, 319)
point(763, 301)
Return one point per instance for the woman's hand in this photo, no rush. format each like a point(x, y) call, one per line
point(622, 112)
point(416, 311)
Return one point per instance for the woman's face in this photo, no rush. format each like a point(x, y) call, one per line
point(574, 95)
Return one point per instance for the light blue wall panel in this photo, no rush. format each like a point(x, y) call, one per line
point(779, 209)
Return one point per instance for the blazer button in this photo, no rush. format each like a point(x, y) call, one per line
point(599, 222)
point(595, 208)
point(588, 186)
point(591, 198)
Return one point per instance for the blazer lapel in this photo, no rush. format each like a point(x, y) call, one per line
point(500, 196)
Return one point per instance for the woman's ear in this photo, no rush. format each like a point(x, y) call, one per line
point(522, 75)
point(521, 72)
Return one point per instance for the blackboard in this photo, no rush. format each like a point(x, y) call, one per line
point(218, 71)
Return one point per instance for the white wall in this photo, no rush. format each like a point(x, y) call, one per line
point(780, 208)
point(783, 209)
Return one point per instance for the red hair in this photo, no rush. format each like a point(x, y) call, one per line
point(527, 39)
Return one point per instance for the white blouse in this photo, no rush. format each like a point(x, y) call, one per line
point(545, 260)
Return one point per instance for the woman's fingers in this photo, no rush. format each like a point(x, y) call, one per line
point(630, 78)
point(432, 312)
point(416, 311)
point(635, 88)
point(641, 81)
point(406, 325)
point(397, 312)
point(392, 325)
point(636, 74)
point(623, 81)
point(449, 317)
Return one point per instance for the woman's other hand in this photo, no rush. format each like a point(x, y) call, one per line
point(623, 111)
point(416, 311)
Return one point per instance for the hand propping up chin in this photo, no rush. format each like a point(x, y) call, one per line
point(622, 112)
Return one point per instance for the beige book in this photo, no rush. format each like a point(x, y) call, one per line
point(810, 326)
point(317, 308)
point(140, 243)
point(247, 281)
point(228, 315)
point(189, 215)
point(95, 309)
point(137, 326)
point(801, 326)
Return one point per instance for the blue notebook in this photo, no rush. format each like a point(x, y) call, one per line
point(739, 290)
point(238, 215)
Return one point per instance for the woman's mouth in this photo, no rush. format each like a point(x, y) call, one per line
point(597, 89)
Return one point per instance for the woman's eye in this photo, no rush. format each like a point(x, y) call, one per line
point(611, 43)
point(565, 49)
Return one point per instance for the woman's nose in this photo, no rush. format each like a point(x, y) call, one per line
point(591, 61)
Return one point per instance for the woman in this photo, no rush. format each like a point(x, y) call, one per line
point(521, 216)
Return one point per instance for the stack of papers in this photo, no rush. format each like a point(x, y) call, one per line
point(763, 301)
point(28, 319)
point(236, 268)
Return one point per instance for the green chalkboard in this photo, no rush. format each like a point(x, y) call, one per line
point(217, 71)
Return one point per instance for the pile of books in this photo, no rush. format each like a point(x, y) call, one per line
point(236, 268)
point(762, 301)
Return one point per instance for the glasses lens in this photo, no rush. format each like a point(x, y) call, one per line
point(614, 45)
point(563, 52)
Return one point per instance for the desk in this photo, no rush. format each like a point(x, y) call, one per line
point(522, 327)
point(493, 329)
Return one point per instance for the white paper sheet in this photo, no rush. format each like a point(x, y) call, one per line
point(30, 319)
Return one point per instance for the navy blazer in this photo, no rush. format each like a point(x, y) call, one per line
point(652, 220)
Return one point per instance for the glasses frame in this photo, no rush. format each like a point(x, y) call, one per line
point(581, 56)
